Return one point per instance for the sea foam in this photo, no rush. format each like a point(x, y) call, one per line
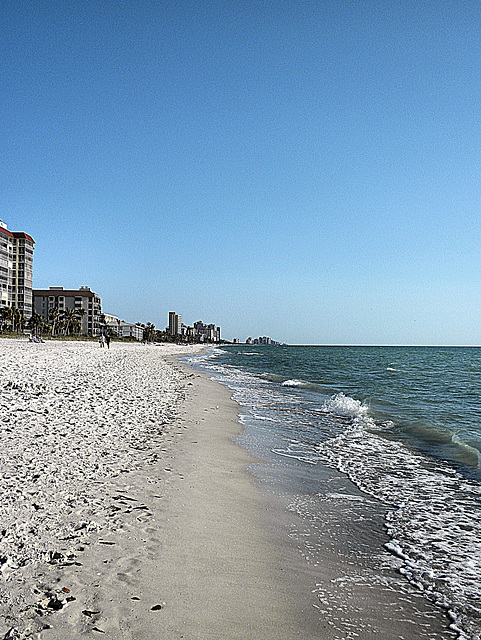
point(342, 405)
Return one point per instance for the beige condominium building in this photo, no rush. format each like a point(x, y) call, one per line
point(16, 270)
point(83, 300)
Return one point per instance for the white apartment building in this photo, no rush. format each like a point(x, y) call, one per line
point(207, 332)
point(16, 270)
point(110, 319)
point(83, 300)
point(123, 329)
point(132, 331)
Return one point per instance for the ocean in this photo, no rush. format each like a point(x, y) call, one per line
point(402, 427)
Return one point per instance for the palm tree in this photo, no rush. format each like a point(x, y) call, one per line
point(20, 321)
point(59, 329)
point(16, 317)
point(149, 332)
point(44, 327)
point(76, 325)
point(53, 317)
point(35, 322)
point(68, 316)
point(80, 312)
point(4, 317)
point(10, 318)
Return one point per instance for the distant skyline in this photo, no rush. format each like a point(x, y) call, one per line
point(304, 170)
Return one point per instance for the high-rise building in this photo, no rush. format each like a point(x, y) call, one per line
point(207, 332)
point(175, 323)
point(200, 332)
point(6, 264)
point(85, 302)
point(16, 270)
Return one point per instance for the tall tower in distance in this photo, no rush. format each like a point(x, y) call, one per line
point(175, 323)
point(16, 270)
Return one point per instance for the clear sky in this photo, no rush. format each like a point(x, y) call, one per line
point(308, 170)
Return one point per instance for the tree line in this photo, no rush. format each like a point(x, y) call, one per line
point(151, 334)
point(68, 322)
point(65, 322)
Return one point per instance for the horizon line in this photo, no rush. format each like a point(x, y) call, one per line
point(345, 344)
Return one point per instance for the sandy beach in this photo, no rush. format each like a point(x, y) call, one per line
point(130, 511)
point(127, 511)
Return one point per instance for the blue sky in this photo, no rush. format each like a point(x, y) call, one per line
point(304, 170)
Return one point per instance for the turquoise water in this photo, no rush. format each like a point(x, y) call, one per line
point(404, 426)
point(428, 397)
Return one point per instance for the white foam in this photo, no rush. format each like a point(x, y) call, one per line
point(472, 451)
point(342, 405)
point(294, 383)
point(434, 522)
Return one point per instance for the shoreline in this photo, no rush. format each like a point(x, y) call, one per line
point(239, 576)
point(340, 533)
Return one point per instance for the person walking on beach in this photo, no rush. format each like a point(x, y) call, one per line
point(107, 340)
point(102, 340)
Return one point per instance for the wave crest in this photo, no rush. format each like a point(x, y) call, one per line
point(295, 383)
point(342, 405)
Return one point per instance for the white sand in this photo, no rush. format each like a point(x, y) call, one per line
point(126, 510)
point(72, 417)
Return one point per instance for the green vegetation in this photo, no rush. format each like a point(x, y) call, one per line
point(61, 323)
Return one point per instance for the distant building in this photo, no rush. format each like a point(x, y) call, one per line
point(262, 340)
point(83, 300)
point(16, 270)
point(112, 323)
point(175, 324)
point(235, 341)
point(206, 332)
point(109, 318)
point(189, 333)
point(132, 331)
point(122, 329)
point(200, 332)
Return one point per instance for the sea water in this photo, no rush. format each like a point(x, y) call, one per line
point(403, 424)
